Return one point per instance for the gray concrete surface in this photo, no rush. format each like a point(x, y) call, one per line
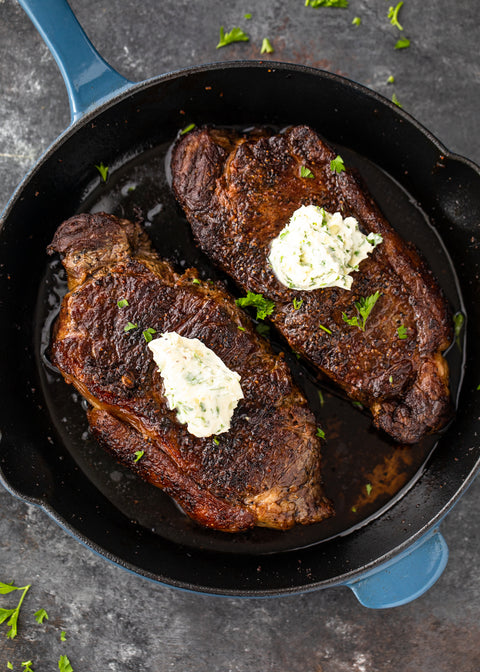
point(117, 621)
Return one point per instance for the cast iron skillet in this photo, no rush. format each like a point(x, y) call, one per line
point(46, 455)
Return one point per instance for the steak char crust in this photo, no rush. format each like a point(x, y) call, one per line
point(266, 469)
point(238, 192)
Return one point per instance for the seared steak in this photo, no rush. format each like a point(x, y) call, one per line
point(239, 191)
point(266, 469)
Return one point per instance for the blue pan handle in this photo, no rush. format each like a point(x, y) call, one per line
point(88, 78)
point(405, 577)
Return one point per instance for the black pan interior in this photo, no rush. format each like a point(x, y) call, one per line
point(46, 453)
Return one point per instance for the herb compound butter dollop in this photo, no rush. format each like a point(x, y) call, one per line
point(317, 249)
point(198, 385)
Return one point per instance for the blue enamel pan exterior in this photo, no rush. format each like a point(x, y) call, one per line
point(384, 565)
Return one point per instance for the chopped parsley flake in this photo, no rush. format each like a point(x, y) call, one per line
point(28, 666)
point(187, 129)
point(64, 664)
point(267, 47)
point(402, 331)
point(41, 615)
point(148, 334)
point(216, 441)
point(364, 307)
point(234, 35)
point(393, 15)
point(325, 329)
point(402, 43)
point(138, 455)
point(458, 322)
point(103, 170)
point(122, 303)
point(356, 21)
point(396, 101)
point(247, 15)
point(326, 3)
point(306, 172)
point(391, 79)
point(297, 303)
point(337, 165)
point(129, 326)
point(196, 281)
point(264, 306)
point(240, 328)
point(263, 329)
point(63, 636)
point(354, 509)
point(320, 433)
point(320, 396)
point(390, 380)
point(368, 488)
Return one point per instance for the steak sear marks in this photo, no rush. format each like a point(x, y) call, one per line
point(239, 191)
point(266, 469)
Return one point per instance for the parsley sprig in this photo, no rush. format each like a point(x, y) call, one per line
point(234, 35)
point(326, 3)
point(262, 329)
point(148, 334)
point(263, 306)
point(297, 303)
point(267, 47)
point(402, 43)
point(187, 129)
point(41, 615)
point(306, 172)
point(458, 322)
point(395, 100)
point(337, 165)
point(393, 15)
point(12, 614)
point(64, 664)
point(364, 307)
point(103, 170)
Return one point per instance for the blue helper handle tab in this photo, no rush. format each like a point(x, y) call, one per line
point(88, 78)
point(406, 576)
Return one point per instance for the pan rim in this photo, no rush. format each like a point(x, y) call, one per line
point(106, 103)
point(255, 592)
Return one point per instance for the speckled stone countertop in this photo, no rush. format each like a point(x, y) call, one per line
point(115, 620)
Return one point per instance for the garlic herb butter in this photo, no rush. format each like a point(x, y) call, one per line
point(319, 249)
point(198, 385)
